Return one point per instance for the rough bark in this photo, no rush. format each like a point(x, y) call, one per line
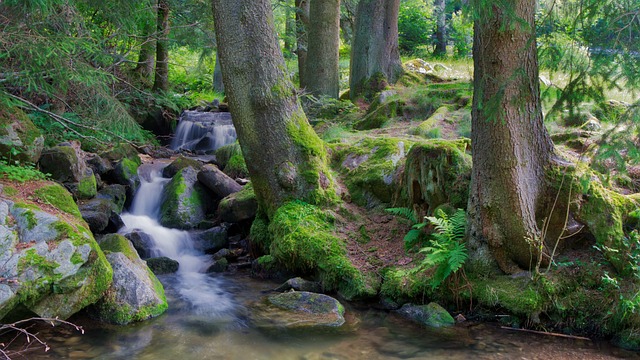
point(161, 81)
point(375, 59)
point(146, 57)
point(441, 28)
point(324, 46)
point(289, 30)
point(302, 24)
point(511, 147)
point(285, 158)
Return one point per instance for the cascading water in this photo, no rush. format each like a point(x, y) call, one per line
point(203, 131)
point(202, 292)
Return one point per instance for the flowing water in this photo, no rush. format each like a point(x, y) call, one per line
point(203, 131)
point(208, 319)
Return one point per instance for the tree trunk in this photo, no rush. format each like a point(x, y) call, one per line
point(324, 46)
point(289, 30)
point(161, 82)
point(302, 24)
point(146, 57)
point(511, 147)
point(218, 85)
point(375, 59)
point(285, 158)
point(441, 28)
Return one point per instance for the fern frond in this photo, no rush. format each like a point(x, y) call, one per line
point(458, 224)
point(457, 256)
point(412, 238)
point(403, 212)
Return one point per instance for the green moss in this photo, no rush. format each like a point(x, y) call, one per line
point(259, 233)
point(304, 136)
point(9, 190)
point(118, 243)
point(236, 166)
point(224, 153)
point(87, 187)
point(130, 167)
point(380, 114)
point(122, 151)
point(517, 296)
point(59, 197)
point(404, 285)
point(76, 258)
point(425, 128)
point(303, 241)
point(32, 259)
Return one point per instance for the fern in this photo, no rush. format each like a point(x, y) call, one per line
point(403, 212)
point(446, 252)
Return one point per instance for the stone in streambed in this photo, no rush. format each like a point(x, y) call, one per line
point(218, 182)
point(298, 310)
point(431, 315)
point(163, 265)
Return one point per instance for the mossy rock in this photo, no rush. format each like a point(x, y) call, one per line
point(62, 270)
point(64, 164)
point(231, 161)
point(125, 172)
point(122, 151)
point(436, 172)
point(178, 164)
point(370, 167)
point(302, 241)
point(380, 113)
point(298, 310)
point(20, 139)
point(185, 202)
point(135, 294)
point(425, 127)
point(239, 206)
point(431, 315)
point(87, 187)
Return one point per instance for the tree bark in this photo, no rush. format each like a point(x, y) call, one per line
point(375, 59)
point(289, 30)
point(302, 24)
point(511, 147)
point(324, 46)
point(441, 28)
point(285, 158)
point(161, 82)
point(146, 57)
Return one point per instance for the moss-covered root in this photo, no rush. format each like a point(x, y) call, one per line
point(300, 238)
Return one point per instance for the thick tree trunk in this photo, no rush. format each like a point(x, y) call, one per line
point(511, 147)
point(161, 82)
point(285, 158)
point(441, 28)
point(375, 59)
point(302, 24)
point(146, 57)
point(324, 46)
point(218, 85)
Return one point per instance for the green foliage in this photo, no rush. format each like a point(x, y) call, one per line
point(414, 24)
point(326, 107)
point(20, 173)
point(447, 252)
point(461, 34)
point(415, 236)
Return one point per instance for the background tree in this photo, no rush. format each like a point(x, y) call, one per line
point(440, 14)
point(161, 82)
point(285, 158)
point(375, 59)
point(324, 45)
point(511, 147)
point(146, 56)
point(302, 24)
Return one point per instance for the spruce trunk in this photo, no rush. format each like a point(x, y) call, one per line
point(511, 147)
point(161, 82)
point(285, 158)
point(441, 28)
point(324, 46)
point(375, 58)
point(302, 24)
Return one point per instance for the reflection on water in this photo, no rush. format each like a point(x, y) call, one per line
point(370, 335)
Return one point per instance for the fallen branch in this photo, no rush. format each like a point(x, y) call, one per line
point(29, 337)
point(546, 333)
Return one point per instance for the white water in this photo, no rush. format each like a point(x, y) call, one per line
point(203, 131)
point(203, 292)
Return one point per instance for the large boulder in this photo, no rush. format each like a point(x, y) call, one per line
point(298, 310)
point(50, 260)
point(163, 265)
point(431, 315)
point(20, 139)
point(178, 164)
point(116, 194)
point(185, 202)
point(210, 240)
point(436, 172)
point(135, 294)
point(142, 242)
point(239, 206)
point(101, 215)
point(371, 167)
point(218, 182)
point(125, 172)
point(66, 164)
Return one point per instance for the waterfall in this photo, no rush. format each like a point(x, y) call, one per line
point(203, 292)
point(203, 131)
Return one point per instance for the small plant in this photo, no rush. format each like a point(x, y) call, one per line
point(446, 252)
point(20, 172)
point(415, 235)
